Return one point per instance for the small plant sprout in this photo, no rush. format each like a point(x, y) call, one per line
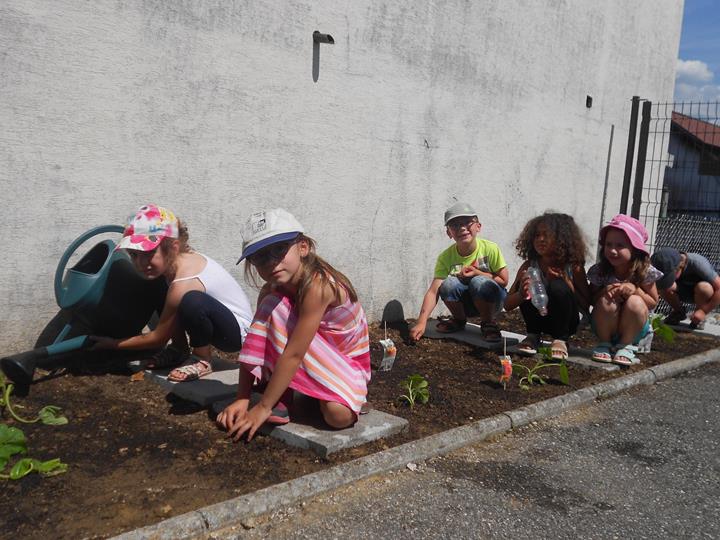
point(662, 330)
point(531, 375)
point(416, 390)
point(48, 415)
point(12, 439)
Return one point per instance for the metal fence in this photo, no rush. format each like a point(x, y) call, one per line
point(676, 176)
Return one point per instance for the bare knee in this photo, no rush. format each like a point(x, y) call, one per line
point(605, 305)
point(703, 292)
point(635, 304)
point(336, 415)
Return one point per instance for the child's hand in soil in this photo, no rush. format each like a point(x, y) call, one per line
point(417, 331)
point(233, 414)
point(250, 423)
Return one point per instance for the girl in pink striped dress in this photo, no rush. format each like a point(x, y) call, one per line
point(309, 333)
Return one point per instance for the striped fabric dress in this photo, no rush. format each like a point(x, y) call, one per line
point(336, 366)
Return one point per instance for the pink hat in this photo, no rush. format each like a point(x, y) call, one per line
point(147, 228)
point(635, 231)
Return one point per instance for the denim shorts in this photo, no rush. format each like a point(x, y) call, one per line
point(479, 287)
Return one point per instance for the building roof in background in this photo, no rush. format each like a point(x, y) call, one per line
point(705, 132)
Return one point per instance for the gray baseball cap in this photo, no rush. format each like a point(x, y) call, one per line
point(459, 209)
point(666, 260)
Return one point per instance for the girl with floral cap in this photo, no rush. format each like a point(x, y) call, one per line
point(623, 290)
point(203, 300)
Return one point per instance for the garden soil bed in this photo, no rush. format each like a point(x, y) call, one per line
point(137, 455)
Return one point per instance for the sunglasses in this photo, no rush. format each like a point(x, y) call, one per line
point(456, 225)
point(271, 254)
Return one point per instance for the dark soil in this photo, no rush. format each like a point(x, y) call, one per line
point(137, 455)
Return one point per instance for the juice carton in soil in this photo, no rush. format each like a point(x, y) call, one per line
point(389, 353)
point(506, 369)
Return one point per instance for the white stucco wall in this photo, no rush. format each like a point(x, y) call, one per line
point(210, 108)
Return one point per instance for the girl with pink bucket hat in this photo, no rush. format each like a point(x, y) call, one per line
point(623, 290)
point(203, 300)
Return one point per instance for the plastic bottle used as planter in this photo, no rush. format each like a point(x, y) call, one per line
point(538, 296)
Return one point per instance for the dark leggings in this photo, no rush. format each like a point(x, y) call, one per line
point(208, 322)
point(562, 319)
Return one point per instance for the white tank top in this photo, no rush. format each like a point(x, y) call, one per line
point(222, 287)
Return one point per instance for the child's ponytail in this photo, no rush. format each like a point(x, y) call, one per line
point(183, 246)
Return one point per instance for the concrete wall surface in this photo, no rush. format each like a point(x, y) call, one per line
point(212, 109)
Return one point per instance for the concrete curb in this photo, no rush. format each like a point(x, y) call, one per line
point(233, 511)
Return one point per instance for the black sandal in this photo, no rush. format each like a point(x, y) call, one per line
point(528, 346)
point(169, 357)
point(490, 332)
point(675, 317)
point(450, 326)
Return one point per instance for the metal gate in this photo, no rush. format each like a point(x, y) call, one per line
point(673, 166)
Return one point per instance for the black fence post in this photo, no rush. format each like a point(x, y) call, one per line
point(630, 154)
point(642, 154)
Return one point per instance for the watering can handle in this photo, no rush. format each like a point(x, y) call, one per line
point(60, 272)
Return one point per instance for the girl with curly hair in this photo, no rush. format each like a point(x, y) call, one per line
point(552, 243)
point(623, 290)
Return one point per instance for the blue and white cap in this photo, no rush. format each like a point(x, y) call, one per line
point(268, 227)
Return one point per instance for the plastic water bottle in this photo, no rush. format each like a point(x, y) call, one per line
point(538, 296)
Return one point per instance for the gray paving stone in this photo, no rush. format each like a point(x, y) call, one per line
point(582, 361)
point(220, 387)
point(221, 384)
point(472, 335)
point(370, 427)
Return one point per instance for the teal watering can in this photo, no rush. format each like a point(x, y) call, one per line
point(103, 294)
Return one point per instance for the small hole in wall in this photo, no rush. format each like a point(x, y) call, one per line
point(588, 101)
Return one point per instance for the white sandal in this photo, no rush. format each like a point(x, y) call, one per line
point(190, 372)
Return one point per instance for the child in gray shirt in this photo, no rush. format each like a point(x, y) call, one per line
point(689, 277)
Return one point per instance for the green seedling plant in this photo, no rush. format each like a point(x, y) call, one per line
point(532, 376)
point(13, 442)
point(48, 415)
point(661, 329)
point(416, 390)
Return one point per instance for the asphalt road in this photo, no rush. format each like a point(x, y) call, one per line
point(644, 464)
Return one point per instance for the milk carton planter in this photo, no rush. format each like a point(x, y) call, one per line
point(643, 346)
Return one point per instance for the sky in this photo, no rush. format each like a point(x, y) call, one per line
point(698, 70)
